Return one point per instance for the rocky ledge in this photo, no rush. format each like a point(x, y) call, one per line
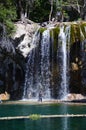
point(4, 96)
point(24, 36)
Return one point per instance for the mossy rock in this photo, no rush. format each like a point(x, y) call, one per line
point(83, 28)
point(42, 29)
point(77, 32)
point(54, 33)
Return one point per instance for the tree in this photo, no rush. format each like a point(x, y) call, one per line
point(7, 10)
point(7, 14)
point(51, 10)
point(75, 5)
point(23, 8)
point(40, 11)
point(78, 5)
point(84, 10)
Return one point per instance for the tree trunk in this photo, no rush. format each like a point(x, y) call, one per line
point(84, 10)
point(50, 15)
point(20, 10)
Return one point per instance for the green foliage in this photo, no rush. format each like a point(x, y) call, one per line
point(10, 27)
point(41, 10)
point(73, 8)
point(37, 10)
point(65, 14)
point(7, 14)
point(34, 116)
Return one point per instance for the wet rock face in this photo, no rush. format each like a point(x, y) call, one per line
point(73, 96)
point(78, 68)
point(11, 68)
point(83, 72)
point(11, 76)
point(13, 53)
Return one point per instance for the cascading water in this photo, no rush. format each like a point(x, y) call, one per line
point(42, 66)
point(64, 40)
point(50, 62)
point(45, 63)
point(38, 69)
point(30, 66)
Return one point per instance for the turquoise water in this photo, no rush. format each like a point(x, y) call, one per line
point(45, 124)
point(65, 123)
point(50, 109)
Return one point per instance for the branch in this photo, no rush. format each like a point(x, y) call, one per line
point(51, 10)
point(75, 6)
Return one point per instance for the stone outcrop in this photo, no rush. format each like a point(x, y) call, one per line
point(13, 54)
point(73, 96)
point(12, 65)
point(24, 37)
point(4, 96)
point(74, 67)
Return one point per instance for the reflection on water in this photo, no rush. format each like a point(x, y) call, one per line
point(65, 119)
point(44, 124)
point(63, 123)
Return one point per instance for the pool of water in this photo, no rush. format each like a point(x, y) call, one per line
point(45, 124)
point(64, 123)
point(42, 109)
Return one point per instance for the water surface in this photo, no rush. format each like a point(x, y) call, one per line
point(65, 123)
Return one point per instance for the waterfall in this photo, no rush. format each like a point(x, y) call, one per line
point(42, 65)
point(64, 41)
point(38, 69)
point(45, 63)
point(30, 85)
